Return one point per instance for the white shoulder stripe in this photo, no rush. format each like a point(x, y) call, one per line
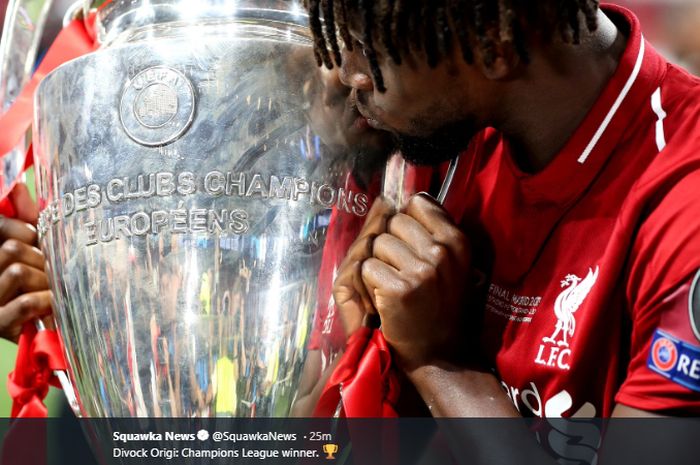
point(616, 106)
point(658, 109)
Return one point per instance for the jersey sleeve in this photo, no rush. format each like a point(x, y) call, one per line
point(663, 374)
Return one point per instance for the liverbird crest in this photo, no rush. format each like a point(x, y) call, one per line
point(566, 304)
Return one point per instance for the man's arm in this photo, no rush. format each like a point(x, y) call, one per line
point(313, 381)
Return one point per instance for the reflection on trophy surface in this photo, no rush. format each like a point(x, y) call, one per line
point(187, 174)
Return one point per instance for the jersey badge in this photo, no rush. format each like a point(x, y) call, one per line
point(554, 350)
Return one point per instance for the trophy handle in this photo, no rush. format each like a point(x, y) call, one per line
point(63, 378)
point(22, 31)
point(447, 182)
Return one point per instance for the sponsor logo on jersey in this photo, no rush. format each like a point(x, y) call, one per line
point(675, 359)
point(572, 441)
point(554, 350)
point(694, 305)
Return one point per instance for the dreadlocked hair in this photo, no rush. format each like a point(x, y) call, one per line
point(435, 27)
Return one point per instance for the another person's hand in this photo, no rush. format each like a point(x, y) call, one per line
point(349, 292)
point(24, 287)
point(420, 280)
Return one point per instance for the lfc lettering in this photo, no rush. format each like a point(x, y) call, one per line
point(553, 356)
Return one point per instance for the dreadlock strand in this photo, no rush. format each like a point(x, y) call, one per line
point(457, 16)
point(368, 38)
point(590, 10)
point(561, 24)
point(387, 18)
point(519, 39)
point(399, 26)
point(575, 22)
point(505, 21)
point(429, 33)
point(320, 46)
point(443, 29)
point(486, 45)
point(342, 20)
point(329, 16)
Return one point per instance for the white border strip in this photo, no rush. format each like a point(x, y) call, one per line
point(659, 110)
point(693, 324)
point(616, 106)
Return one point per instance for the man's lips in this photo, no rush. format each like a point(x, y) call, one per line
point(358, 101)
point(371, 119)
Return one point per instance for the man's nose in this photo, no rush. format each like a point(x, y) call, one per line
point(353, 72)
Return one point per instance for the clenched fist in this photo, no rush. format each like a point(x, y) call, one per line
point(24, 293)
point(419, 279)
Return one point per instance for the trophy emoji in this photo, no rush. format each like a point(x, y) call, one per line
point(330, 450)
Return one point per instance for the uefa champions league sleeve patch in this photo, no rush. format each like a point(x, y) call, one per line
point(675, 360)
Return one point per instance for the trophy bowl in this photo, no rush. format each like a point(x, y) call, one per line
point(186, 199)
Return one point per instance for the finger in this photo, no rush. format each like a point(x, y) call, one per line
point(362, 291)
point(21, 310)
point(410, 231)
point(348, 286)
point(395, 252)
point(359, 251)
point(11, 228)
point(377, 217)
point(428, 212)
point(19, 278)
point(14, 251)
point(25, 207)
point(439, 224)
point(381, 279)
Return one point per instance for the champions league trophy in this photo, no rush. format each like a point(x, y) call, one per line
point(187, 193)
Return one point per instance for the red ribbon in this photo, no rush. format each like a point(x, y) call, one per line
point(38, 355)
point(39, 352)
point(73, 41)
point(370, 388)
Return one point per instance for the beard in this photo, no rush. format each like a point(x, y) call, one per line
point(442, 145)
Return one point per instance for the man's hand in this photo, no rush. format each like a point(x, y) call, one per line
point(349, 292)
point(419, 279)
point(24, 293)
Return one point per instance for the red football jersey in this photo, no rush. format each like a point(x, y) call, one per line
point(594, 257)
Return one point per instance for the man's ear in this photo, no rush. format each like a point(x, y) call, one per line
point(500, 62)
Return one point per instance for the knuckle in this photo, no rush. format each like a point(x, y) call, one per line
point(439, 253)
point(25, 304)
point(396, 222)
point(17, 271)
point(12, 247)
point(380, 241)
point(427, 275)
point(452, 235)
point(402, 289)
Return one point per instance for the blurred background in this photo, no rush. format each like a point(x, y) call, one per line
point(673, 26)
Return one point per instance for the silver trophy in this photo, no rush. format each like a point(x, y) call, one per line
point(188, 171)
